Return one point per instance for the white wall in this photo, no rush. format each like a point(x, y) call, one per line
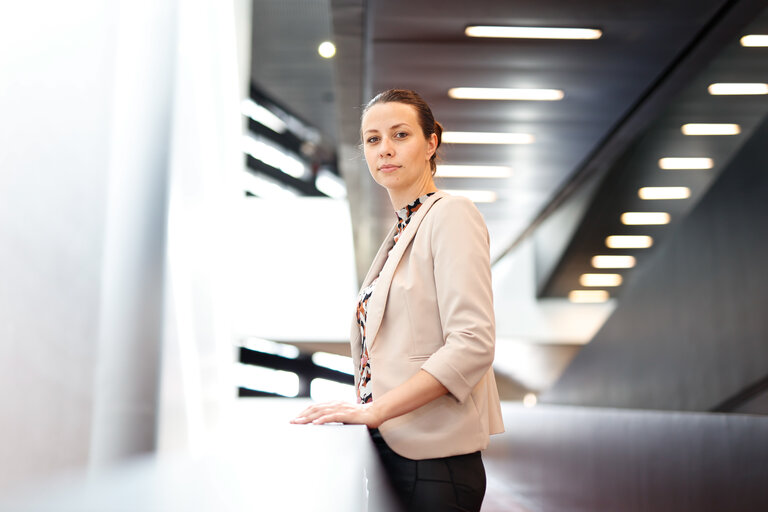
point(56, 78)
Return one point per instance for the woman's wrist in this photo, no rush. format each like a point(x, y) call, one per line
point(374, 415)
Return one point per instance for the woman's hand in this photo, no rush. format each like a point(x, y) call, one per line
point(340, 412)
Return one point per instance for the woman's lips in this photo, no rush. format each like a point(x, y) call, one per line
point(388, 168)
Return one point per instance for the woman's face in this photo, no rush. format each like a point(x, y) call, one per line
point(395, 148)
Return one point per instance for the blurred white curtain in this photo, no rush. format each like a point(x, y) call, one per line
point(197, 384)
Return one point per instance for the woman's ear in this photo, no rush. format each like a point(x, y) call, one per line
point(431, 145)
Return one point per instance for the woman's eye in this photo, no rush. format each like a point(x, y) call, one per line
point(372, 140)
point(401, 135)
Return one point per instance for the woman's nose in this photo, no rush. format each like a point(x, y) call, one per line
point(385, 148)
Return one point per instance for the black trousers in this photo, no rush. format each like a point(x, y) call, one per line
point(444, 484)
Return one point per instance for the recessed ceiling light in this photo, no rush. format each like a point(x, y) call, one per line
point(496, 93)
point(644, 218)
point(613, 261)
point(476, 196)
point(529, 400)
point(486, 138)
point(326, 49)
point(533, 32)
point(685, 163)
point(473, 171)
point(755, 40)
point(738, 89)
point(652, 193)
point(600, 279)
point(711, 129)
point(628, 241)
point(588, 296)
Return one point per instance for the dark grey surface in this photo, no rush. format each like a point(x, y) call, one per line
point(572, 459)
point(690, 331)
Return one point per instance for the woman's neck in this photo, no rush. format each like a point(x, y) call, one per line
point(401, 198)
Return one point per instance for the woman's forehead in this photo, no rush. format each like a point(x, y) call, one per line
point(383, 116)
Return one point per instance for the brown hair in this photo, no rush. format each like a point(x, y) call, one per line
point(423, 112)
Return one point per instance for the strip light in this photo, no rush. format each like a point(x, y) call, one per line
point(600, 279)
point(476, 196)
point(737, 89)
point(613, 261)
point(588, 296)
point(629, 241)
point(755, 40)
point(644, 218)
point(486, 138)
point(262, 115)
point(496, 93)
point(671, 163)
point(532, 32)
point(656, 193)
point(473, 171)
point(710, 129)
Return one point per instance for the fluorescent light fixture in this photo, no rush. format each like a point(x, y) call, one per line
point(326, 49)
point(273, 156)
point(644, 218)
point(486, 138)
point(654, 193)
point(271, 347)
point(530, 400)
point(330, 184)
point(259, 378)
point(588, 296)
point(628, 241)
point(494, 93)
point(600, 279)
point(685, 163)
point(333, 361)
point(755, 40)
point(262, 116)
point(473, 171)
point(613, 261)
point(476, 196)
point(738, 89)
point(533, 32)
point(265, 187)
point(710, 129)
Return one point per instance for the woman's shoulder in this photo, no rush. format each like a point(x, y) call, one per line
point(451, 205)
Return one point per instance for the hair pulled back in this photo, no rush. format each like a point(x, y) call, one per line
point(423, 112)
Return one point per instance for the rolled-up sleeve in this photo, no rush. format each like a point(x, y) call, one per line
point(460, 251)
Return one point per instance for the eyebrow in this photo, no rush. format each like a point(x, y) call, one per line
point(391, 127)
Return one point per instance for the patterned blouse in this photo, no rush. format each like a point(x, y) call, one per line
point(364, 394)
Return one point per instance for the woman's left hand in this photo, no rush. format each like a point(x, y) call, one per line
point(339, 412)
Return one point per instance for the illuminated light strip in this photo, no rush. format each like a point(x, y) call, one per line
point(613, 261)
point(262, 116)
point(629, 241)
point(532, 32)
point(672, 163)
point(273, 156)
point(600, 280)
point(588, 296)
point(473, 171)
point(710, 129)
point(754, 40)
point(486, 138)
point(737, 89)
point(644, 218)
point(476, 196)
point(655, 193)
point(494, 93)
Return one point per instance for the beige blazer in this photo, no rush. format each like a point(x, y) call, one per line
point(432, 309)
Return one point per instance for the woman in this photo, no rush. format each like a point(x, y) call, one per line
point(423, 334)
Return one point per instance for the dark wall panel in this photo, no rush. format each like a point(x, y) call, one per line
point(691, 329)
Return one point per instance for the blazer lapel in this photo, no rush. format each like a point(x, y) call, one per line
point(378, 300)
point(378, 263)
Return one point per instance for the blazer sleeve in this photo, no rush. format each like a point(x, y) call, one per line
point(460, 252)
